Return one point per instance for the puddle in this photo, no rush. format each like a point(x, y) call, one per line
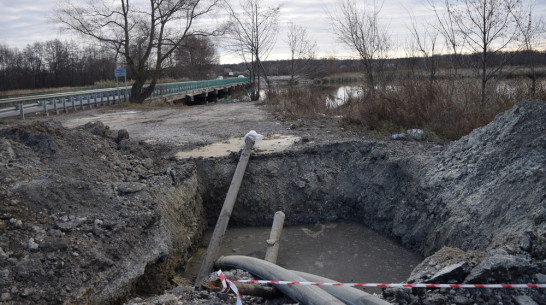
point(344, 252)
point(275, 143)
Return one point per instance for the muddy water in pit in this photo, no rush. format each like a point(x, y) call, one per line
point(345, 252)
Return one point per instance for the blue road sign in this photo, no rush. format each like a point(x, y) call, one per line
point(119, 72)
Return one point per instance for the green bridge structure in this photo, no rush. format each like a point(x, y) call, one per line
point(188, 92)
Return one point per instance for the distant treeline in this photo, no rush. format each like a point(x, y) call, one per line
point(55, 63)
point(328, 66)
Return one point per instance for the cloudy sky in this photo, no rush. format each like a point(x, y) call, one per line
point(26, 21)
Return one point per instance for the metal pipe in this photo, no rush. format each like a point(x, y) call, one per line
point(300, 293)
point(274, 240)
point(223, 219)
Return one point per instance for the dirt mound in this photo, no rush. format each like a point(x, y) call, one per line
point(485, 194)
point(82, 214)
point(489, 188)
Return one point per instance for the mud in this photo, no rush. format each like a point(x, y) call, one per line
point(93, 215)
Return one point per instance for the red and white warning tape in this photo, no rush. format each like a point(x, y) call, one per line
point(396, 285)
point(225, 283)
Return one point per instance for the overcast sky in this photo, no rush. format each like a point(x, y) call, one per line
point(23, 22)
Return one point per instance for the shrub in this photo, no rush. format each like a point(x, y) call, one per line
point(449, 108)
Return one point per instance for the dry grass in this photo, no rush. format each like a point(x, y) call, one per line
point(299, 101)
point(449, 109)
point(341, 78)
point(446, 108)
point(22, 92)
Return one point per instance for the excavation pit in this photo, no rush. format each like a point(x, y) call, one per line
point(91, 216)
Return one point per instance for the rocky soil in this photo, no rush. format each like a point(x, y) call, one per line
point(94, 215)
point(85, 213)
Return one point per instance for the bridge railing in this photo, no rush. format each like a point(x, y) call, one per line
point(179, 88)
point(159, 90)
point(79, 99)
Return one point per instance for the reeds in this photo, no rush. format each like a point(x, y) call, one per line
point(298, 101)
point(447, 108)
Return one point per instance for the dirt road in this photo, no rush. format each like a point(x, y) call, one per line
point(188, 128)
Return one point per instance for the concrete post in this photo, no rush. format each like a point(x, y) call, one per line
point(274, 240)
point(22, 111)
point(223, 219)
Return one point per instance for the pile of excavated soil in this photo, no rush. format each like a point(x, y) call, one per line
point(91, 215)
point(485, 197)
point(489, 187)
point(84, 212)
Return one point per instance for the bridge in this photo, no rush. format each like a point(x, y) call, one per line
point(188, 92)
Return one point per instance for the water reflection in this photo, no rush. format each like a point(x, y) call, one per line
point(340, 95)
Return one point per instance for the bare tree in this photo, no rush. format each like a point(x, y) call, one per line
point(302, 50)
point(425, 41)
point(252, 35)
point(57, 58)
point(358, 27)
point(196, 57)
point(145, 34)
point(487, 27)
point(530, 30)
point(447, 27)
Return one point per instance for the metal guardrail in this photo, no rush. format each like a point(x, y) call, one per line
point(178, 88)
point(107, 96)
point(51, 96)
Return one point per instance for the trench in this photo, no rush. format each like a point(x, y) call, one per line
point(408, 194)
point(340, 202)
point(360, 182)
